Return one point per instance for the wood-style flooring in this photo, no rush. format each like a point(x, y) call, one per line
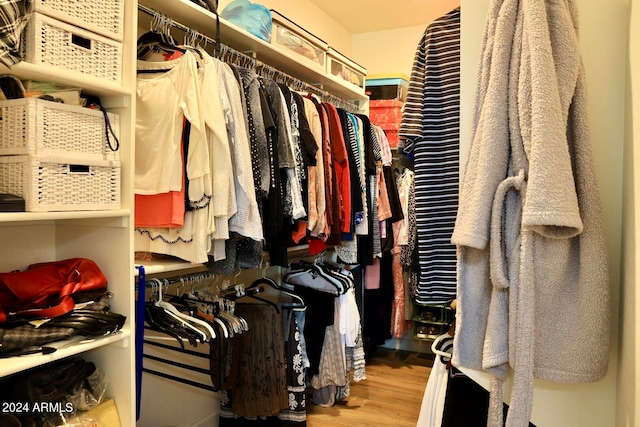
point(390, 396)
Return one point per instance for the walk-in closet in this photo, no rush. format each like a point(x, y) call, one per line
point(318, 213)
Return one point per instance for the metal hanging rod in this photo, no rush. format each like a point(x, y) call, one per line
point(170, 21)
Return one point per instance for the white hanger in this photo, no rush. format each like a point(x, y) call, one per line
point(225, 331)
point(185, 319)
point(434, 345)
point(197, 321)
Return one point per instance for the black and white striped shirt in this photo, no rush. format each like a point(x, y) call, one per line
point(430, 129)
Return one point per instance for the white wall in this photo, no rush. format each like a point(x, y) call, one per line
point(389, 51)
point(603, 31)
point(628, 376)
point(392, 51)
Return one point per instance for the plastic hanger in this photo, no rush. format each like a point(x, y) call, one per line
point(157, 323)
point(186, 320)
point(192, 316)
point(193, 319)
point(436, 342)
point(225, 331)
point(213, 318)
point(264, 280)
point(229, 310)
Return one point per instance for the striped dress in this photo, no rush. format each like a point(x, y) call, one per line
point(430, 131)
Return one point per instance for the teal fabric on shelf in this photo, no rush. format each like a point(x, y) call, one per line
point(251, 17)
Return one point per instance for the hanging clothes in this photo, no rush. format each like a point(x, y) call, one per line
point(316, 175)
point(533, 275)
point(223, 200)
point(263, 165)
point(429, 135)
point(246, 221)
point(332, 328)
point(341, 197)
point(163, 99)
point(433, 400)
point(160, 127)
point(400, 321)
point(268, 385)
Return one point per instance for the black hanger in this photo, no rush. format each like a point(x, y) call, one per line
point(160, 321)
point(253, 293)
point(153, 41)
point(155, 322)
point(265, 280)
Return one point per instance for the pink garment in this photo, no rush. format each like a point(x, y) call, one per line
point(399, 326)
point(372, 275)
point(382, 198)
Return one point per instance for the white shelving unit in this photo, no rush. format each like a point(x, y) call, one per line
point(104, 236)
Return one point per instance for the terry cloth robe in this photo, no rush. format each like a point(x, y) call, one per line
point(533, 284)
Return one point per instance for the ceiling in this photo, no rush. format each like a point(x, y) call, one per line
point(380, 15)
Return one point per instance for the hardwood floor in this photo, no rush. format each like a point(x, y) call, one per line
point(390, 396)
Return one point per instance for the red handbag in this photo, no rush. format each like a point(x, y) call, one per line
point(45, 289)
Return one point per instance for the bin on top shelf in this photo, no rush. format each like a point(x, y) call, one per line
point(346, 69)
point(387, 86)
point(291, 36)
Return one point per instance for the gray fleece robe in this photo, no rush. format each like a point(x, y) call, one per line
point(533, 284)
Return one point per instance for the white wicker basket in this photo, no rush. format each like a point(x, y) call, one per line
point(55, 184)
point(45, 128)
point(51, 42)
point(104, 17)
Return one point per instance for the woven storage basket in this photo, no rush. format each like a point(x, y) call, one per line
point(51, 42)
point(58, 184)
point(45, 128)
point(104, 17)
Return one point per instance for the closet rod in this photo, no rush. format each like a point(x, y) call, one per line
point(180, 380)
point(182, 278)
point(178, 364)
point(285, 78)
point(155, 14)
point(179, 350)
point(223, 49)
point(267, 71)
